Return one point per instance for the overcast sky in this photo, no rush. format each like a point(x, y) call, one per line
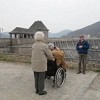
point(57, 15)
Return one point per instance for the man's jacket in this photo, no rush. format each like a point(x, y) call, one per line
point(85, 47)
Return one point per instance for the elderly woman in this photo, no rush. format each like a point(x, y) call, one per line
point(40, 54)
point(58, 55)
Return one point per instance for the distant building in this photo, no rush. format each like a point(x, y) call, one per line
point(25, 37)
point(24, 33)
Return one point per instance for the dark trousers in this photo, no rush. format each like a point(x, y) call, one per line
point(39, 81)
point(82, 61)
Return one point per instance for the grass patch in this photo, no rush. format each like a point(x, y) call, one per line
point(27, 59)
point(98, 70)
point(15, 58)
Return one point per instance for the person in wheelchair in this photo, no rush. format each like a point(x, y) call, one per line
point(59, 56)
point(51, 64)
point(58, 61)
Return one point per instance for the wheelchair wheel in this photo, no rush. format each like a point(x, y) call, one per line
point(60, 77)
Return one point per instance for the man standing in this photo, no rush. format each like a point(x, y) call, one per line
point(82, 48)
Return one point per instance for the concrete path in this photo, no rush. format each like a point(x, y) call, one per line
point(93, 93)
point(17, 83)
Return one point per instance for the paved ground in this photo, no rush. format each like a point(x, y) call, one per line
point(17, 83)
point(93, 93)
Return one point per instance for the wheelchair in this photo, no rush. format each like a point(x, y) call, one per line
point(58, 72)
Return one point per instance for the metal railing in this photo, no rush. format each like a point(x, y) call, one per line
point(70, 53)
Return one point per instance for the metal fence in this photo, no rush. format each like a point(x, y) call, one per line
point(69, 47)
point(70, 53)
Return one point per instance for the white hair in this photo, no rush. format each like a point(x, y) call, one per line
point(50, 45)
point(39, 36)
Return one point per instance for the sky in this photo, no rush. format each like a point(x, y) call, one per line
point(57, 15)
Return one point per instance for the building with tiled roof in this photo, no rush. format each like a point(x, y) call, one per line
point(19, 32)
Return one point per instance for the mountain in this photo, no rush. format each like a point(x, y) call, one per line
point(51, 35)
point(4, 35)
point(59, 34)
point(90, 31)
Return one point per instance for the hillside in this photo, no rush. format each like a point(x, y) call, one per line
point(4, 35)
point(51, 35)
point(91, 31)
point(59, 34)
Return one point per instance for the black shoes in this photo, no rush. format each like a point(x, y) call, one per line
point(79, 72)
point(43, 93)
point(37, 92)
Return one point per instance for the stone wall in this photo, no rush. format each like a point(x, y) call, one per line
point(16, 42)
point(4, 42)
